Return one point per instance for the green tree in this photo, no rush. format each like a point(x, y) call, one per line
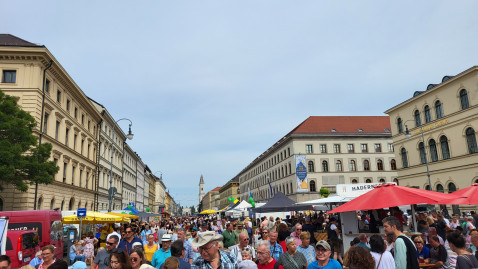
point(193, 210)
point(200, 207)
point(22, 161)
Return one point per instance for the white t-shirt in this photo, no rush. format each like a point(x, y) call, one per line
point(387, 261)
point(237, 251)
point(114, 233)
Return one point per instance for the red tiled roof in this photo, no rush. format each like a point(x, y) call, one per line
point(344, 125)
point(11, 40)
point(216, 189)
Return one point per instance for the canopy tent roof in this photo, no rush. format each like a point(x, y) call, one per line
point(391, 195)
point(208, 211)
point(281, 203)
point(94, 218)
point(132, 209)
point(123, 215)
point(243, 205)
point(328, 200)
point(469, 196)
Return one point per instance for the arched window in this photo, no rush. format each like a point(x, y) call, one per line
point(438, 109)
point(52, 203)
point(403, 153)
point(451, 187)
point(312, 186)
point(440, 188)
point(40, 202)
point(352, 167)
point(291, 189)
point(325, 166)
point(1, 204)
point(70, 204)
point(368, 180)
point(287, 189)
point(62, 205)
point(310, 165)
point(427, 187)
point(79, 204)
point(338, 166)
point(395, 180)
point(421, 148)
point(464, 99)
point(379, 165)
point(471, 140)
point(393, 164)
point(428, 116)
point(382, 180)
point(433, 150)
point(445, 151)
point(366, 165)
point(399, 125)
point(418, 121)
point(354, 181)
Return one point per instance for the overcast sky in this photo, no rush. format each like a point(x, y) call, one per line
point(210, 85)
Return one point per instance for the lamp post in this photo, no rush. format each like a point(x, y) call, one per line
point(408, 135)
point(111, 191)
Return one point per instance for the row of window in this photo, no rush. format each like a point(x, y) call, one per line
point(9, 76)
point(444, 148)
point(350, 148)
point(352, 165)
point(77, 176)
point(282, 155)
point(71, 204)
point(464, 104)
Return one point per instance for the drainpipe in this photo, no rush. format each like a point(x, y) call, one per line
point(41, 124)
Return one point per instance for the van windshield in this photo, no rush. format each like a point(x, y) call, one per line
point(56, 233)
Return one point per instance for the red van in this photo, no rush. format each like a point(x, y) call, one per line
point(21, 247)
point(46, 222)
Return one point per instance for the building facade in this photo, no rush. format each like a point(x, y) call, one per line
point(201, 188)
point(230, 189)
point(208, 201)
point(129, 176)
point(160, 198)
point(140, 167)
point(151, 188)
point(107, 155)
point(337, 150)
point(442, 123)
point(66, 119)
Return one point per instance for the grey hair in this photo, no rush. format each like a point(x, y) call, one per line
point(265, 243)
point(289, 239)
point(182, 230)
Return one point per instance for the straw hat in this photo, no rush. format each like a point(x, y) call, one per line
point(205, 237)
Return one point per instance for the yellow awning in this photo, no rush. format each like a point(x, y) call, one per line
point(94, 218)
point(123, 215)
point(209, 211)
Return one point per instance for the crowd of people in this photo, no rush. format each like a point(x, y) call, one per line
point(297, 242)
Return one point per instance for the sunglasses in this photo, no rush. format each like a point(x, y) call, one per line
point(298, 229)
point(134, 259)
point(109, 243)
point(128, 232)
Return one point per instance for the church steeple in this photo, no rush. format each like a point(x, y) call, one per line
point(201, 188)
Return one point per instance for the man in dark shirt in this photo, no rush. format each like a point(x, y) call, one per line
point(438, 254)
point(127, 243)
point(309, 227)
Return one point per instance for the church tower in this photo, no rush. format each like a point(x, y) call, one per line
point(201, 189)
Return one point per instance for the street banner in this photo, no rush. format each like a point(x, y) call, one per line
point(301, 173)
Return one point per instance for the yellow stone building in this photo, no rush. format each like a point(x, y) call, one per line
point(230, 189)
point(209, 200)
point(442, 122)
point(66, 119)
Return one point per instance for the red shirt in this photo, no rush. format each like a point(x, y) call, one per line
point(270, 265)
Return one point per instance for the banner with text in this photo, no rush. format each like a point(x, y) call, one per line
point(301, 173)
point(355, 190)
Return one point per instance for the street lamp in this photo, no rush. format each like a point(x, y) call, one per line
point(112, 191)
point(408, 135)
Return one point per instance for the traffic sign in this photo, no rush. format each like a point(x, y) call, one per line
point(81, 212)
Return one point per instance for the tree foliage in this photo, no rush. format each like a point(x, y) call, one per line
point(22, 161)
point(193, 210)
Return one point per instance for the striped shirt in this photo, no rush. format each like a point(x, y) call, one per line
point(228, 261)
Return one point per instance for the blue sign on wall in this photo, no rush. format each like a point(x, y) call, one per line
point(81, 212)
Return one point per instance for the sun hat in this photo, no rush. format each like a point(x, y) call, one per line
point(137, 244)
point(323, 244)
point(206, 237)
point(166, 237)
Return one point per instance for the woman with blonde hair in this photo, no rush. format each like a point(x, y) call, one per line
point(305, 248)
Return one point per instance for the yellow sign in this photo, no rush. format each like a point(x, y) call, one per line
point(431, 126)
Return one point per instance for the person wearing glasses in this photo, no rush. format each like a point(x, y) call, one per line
point(211, 256)
point(264, 258)
point(243, 244)
point(102, 257)
point(322, 254)
point(48, 255)
point(119, 259)
point(296, 234)
point(292, 259)
point(423, 253)
point(138, 260)
point(229, 236)
point(127, 243)
point(163, 253)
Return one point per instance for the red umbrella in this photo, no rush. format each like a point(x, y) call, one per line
point(390, 195)
point(467, 196)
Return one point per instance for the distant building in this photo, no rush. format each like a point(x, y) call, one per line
point(209, 200)
point(230, 189)
point(447, 115)
point(335, 150)
point(201, 189)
